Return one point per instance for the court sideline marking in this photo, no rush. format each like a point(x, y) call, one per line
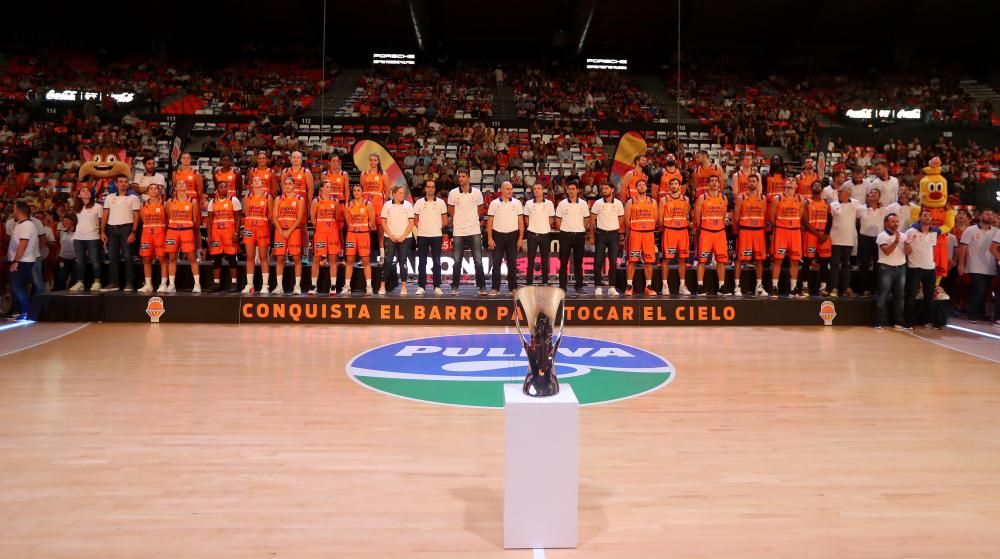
point(52, 339)
point(946, 346)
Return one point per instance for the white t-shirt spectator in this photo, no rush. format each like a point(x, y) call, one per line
point(905, 214)
point(895, 258)
point(829, 194)
point(120, 208)
point(978, 259)
point(505, 214)
point(430, 214)
point(23, 230)
point(858, 191)
point(142, 180)
point(889, 188)
point(50, 238)
point(396, 216)
point(872, 220)
point(538, 216)
point(608, 214)
point(466, 218)
point(88, 226)
point(922, 245)
point(572, 215)
point(844, 229)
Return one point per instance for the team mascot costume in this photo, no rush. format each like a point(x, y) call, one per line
point(934, 197)
point(101, 166)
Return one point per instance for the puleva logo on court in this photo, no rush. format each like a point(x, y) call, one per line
point(470, 370)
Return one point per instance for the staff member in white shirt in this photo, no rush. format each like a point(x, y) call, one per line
point(974, 258)
point(119, 226)
point(430, 216)
point(397, 224)
point(610, 219)
point(87, 238)
point(903, 208)
point(858, 186)
point(538, 215)
point(843, 238)
point(886, 185)
point(464, 203)
point(920, 271)
point(572, 220)
point(22, 253)
point(872, 217)
point(141, 181)
point(892, 252)
point(504, 235)
point(995, 252)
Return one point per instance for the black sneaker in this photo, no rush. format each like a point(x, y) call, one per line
point(233, 288)
point(579, 290)
point(726, 291)
point(214, 288)
point(797, 293)
point(700, 291)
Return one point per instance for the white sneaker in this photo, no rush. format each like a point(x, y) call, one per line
point(369, 291)
point(381, 291)
point(419, 291)
point(437, 291)
point(145, 289)
point(296, 290)
point(403, 291)
point(683, 290)
point(737, 292)
point(78, 286)
point(265, 290)
point(96, 286)
point(612, 292)
point(197, 289)
point(665, 291)
point(170, 289)
point(248, 289)
point(278, 290)
point(598, 292)
point(760, 291)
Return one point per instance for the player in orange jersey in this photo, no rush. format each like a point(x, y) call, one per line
point(774, 183)
point(640, 222)
point(288, 215)
point(817, 220)
point(303, 178)
point(360, 217)
point(153, 243)
point(629, 188)
point(704, 171)
point(264, 172)
point(230, 175)
point(741, 178)
point(195, 189)
point(670, 171)
point(710, 219)
point(182, 220)
point(325, 215)
point(375, 186)
point(675, 218)
point(340, 181)
point(749, 220)
point(786, 215)
point(223, 225)
point(257, 207)
point(808, 176)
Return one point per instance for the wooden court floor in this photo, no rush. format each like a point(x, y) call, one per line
point(180, 441)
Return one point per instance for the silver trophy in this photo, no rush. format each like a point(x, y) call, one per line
point(542, 307)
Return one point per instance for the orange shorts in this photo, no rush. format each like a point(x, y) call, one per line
point(358, 244)
point(292, 245)
point(750, 245)
point(222, 241)
point(182, 239)
point(153, 242)
point(814, 248)
point(641, 247)
point(713, 243)
point(257, 234)
point(326, 243)
point(786, 243)
point(676, 244)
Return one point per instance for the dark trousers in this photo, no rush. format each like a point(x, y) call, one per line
point(867, 262)
point(401, 251)
point(475, 246)
point(840, 267)
point(919, 311)
point(605, 241)
point(19, 282)
point(542, 244)
point(571, 242)
point(118, 245)
point(505, 249)
point(423, 245)
point(65, 274)
point(891, 280)
point(88, 251)
point(979, 286)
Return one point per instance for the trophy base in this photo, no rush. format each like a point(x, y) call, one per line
point(540, 386)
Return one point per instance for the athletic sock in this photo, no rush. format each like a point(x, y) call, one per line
point(249, 279)
point(759, 282)
point(795, 283)
point(267, 277)
point(197, 281)
point(368, 283)
point(170, 280)
point(149, 281)
point(629, 283)
point(298, 281)
point(774, 285)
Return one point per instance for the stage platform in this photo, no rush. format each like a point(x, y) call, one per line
point(463, 309)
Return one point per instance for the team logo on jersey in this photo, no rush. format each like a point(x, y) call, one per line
point(155, 309)
point(828, 312)
point(470, 370)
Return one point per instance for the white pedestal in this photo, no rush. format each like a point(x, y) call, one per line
point(541, 478)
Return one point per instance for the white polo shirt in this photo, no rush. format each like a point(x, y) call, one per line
point(608, 214)
point(23, 230)
point(465, 222)
point(538, 216)
point(895, 258)
point(430, 214)
point(858, 191)
point(978, 259)
point(922, 249)
point(396, 216)
point(872, 220)
point(505, 214)
point(905, 213)
point(889, 188)
point(572, 215)
point(120, 208)
point(844, 230)
point(88, 226)
point(144, 180)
